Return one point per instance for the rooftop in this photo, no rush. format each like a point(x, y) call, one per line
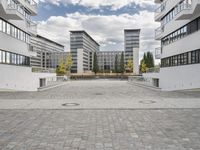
point(82, 31)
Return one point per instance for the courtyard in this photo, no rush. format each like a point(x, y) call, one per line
point(100, 115)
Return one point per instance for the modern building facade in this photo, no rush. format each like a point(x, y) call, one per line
point(16, 28)
point(82, 48)
point(180, 47)
point(131, 47)
point(48, 52)
point(106, 60)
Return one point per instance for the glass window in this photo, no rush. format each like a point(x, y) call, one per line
point(1, 27)
point(0, 56)
point(7, 57)
point(3, 57)
point(4, 26)
point(8, 28)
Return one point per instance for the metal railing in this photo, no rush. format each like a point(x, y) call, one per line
point(153, 70)
point(158, 52)
point(43, 70)
point(159, 31)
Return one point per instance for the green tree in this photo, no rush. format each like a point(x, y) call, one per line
point(68, 63)
point(95, 64)
point(129, 66)
point(116, 64)
point(122, 68)
point(61, 68)
point(149, 60)
point(143, 67)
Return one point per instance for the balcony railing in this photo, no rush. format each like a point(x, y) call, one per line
point(153, 70)
point(32, 3)
point(43, 70)
point(158, 53)
point(159, 31)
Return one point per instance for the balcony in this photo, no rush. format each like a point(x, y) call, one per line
point(188, 10)
point(32, 27)
point(158, 53)
point(158, 33)
point(13, 12)
point(31, 5)
point(159, 11)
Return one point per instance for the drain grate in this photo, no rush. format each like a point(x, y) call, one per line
point(98, 93)
point(147, 102)
point(70, 104)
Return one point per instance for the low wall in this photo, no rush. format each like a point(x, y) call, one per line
point(20, 78)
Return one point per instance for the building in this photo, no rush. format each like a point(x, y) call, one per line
point(16, 28)
point(48, 52)
point(82, 48)
point(131, 47)
point(180, 47)
point(106, 60)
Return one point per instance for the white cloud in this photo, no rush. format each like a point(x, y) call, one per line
point(107, 30)
point(95, 4)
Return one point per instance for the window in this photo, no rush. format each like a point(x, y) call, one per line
point(7, 57)
point(1, 27)
point(8, 28)
point(0, 56)
point(3, 57)
point(4, 26)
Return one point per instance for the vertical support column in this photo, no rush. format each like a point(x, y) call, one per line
point(80, 61)
point(136, 60)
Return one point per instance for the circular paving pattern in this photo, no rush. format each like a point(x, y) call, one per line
point(70, 104)
point(147, 102)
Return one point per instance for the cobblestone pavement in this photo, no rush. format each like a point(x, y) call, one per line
point(94, 88)
point(43, 124)
point(168, 129)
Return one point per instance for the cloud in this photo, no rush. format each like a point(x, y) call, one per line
point(96, 4)
point(107, 30)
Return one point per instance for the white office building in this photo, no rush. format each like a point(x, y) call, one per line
point(179, 34)
point(82, 48)
point(16, 28)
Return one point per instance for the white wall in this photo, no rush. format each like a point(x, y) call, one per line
point(136, 60)
point(20, 78)
point(179, 78)
point(188, 43)
point(80, 61)
point(14, 45)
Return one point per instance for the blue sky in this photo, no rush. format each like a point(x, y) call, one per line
point(104, 20)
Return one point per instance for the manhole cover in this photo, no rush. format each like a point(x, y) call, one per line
point(98, 93)
point(147, 102)
point(70, 104)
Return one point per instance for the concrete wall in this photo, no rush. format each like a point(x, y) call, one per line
point(136, 60)
point(80, 61)
point(14, 45)
point(20, 78)
point(180, 78)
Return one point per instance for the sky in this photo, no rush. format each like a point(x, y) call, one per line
point(104, 20)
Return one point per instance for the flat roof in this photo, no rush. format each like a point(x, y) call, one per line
point(82, 31)
point(39, 36)
point(132, 29)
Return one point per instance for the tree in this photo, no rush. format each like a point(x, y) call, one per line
point(95, 64)
point(143, 67)
point(122, 68)
point(129, 65)
point(61, 69)
point(68, 63)
point(149, 60)
point(116, 64)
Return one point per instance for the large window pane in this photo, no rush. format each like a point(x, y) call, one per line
point(8, 28)
point(4, 26)
point(1, 27)
point(7, 57)
point(0, 56)
point(3, 57)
